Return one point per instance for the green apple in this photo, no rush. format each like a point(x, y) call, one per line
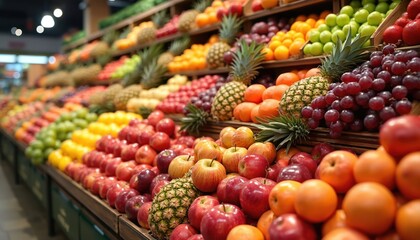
point(389, 12)
point(382, 7)
point(394, 4)
point(367, 30)
point(355, 4)
point(339, 34)
point(375, 18)
point(367, 44)
point(328, 47)
point(314, 35)
point(316, 49)
point(361, 15)
point(351, 28)
point(323, 27)
point(379, 1)
point(330, 20)
point(307, 49)
point(335, 29)
point(325, 37)
point(347, 10)
point(370, 7)
point(364, 2)
point(342, 19)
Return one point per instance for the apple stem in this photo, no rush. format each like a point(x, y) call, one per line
point(224, 207)
point(189, 156)
point(235, 147)
point(211, 163)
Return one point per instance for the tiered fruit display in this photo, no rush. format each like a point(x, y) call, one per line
point(85, 75)
point(405, 28)
point(51, 137)
point(20, 113)
point(152, 97)
point(81, 95)
point(84, 140)
point(193, 58)
point(358, 18)
point(110, 68)
point(187, 18)
point(169, 28)
point(129, 36)
point(126, 68)
point(148, 32)
point(371, 94)
point(175, 49)
point(177, 101)
point(286, 44)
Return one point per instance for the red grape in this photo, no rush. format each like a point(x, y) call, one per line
point(347, 116)
point(347, 102)
point(371, 122)
point(348, 77)
point(378, 84)
point(353, 88)
point(307, 112)
point(362, 99)
point(339, 91)
point(398, 68)
point(388, 49)
point(376, 61)
point(399, 92)
point(365, 82)
point(312, 124)
point(331, 115)
point(414, 66)
point(330, 98)
point(411, 82)
point(318, 114)
point(336, 105)
point(386, 113)
point(386, 96)
point(403, 107)
point(376, 103)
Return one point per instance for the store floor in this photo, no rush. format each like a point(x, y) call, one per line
point(21, 215)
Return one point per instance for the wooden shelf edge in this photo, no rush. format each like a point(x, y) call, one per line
point(129, 230)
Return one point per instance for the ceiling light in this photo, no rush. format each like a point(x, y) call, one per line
point(13, 30)
point(18, 32)
point(47, 21)
point(40, 29)
point(58, 13)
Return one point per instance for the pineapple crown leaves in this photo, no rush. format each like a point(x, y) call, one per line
point(178, 46)
point(230, 26)
point(160, 18)
point(145, 112)
point(201, 5)
point(284, 130)
point(110, 37)
point(153, 75)
point(195, 119)
point(345, 56)
point(246, 62)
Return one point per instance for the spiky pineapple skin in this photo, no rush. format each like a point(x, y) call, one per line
point(170, 206)
point(110, 93)
point(187, 20)
point(165, 58)
point(121, 99)
point(214, 57)
point(227, 98)
point(147, 34)
point(301, 94)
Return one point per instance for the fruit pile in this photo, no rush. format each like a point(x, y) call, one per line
point(51, 136)
point(378, 90)
point(405, 28)
point(110, 68)
point(286, 44)
point(20, 113)
point(177, 101)
point(359, 18)
point(204, 99)
point(80, 95)
point(215, 12)
point(169, 28)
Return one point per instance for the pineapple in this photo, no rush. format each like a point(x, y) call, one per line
point(148, 33)
point(187, 19)
point(345, 57)
point(195, 119)
point(227, 34)
point(110, 93)
point(170, 206)
point(243, 70)
point(152, 75)
point(176, 48)
point(121, 99)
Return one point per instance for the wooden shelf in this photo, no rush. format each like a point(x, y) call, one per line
point(207, 29)
point(129, 230)
point(201, 72)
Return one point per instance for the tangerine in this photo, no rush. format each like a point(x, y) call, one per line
point(245, 232)
point(281, 53)
point(338, 220)
point(254, 93)
point(408, 175)
point(312, 72)
point(242, 111)
point(345, 234)
point(275, 92)
point(254, 114)
point(282, 197)
point(264, 223)
point(408, 221)
point(268, 54)
point(287, 78)
point(269, 108)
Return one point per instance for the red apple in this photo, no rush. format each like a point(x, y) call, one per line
point(197, 140)
point(304, 159)
point(106, 185)
point(145, 155)
point(145, 137)
point(274, 170)
point(266, 149)
point(183, 232)
point(231, 158)
point(90, 179)
point(320, 150)
point(143, 215)
point(207, 174)
point(392, 34)
point(178, 148)
point(96, 185)
point(133, 134)
point(207, 149)
point(187, 140)
point(125, 170)
point(298, 172)
point(243, 137)
point(98, 159)
point(221, 12)
point(163, 159)
point(133, 205)
point(160, 141)
point(199, 207)
point(120, 144)
point(158, 186)
point(128, 152)
point(235, 8)
point(187, 151)
point(111, 166)
point(104, 162)
point(252, 166)
point(123, 197)
point(256, 6)
point(155, 117)
point(226, 136)
point(290, 227)
point(219, 220)
point(254, 196)
point(230, 188)
point(158, 178)
point(112, 193)
point(402, 22)
point(167, 126)
point(145, 178)
point(180, 165)
point(196, 237)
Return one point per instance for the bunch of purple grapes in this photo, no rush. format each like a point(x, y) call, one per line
point(264, 79)
point(371, 94)
point(204, 99)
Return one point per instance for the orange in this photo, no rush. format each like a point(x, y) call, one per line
point(242, 111)
point(295, 48)
point(319, 22)
point(370, 208)
point(274, 44)
point(209, 10)
point(202, 19)
point(301, 73)
point(324, 14)
point(216, 4)
point(281, 53)
point(213, 17)
point(312, 72)
point(254, 93)
point(254, 114)
point(245, 232)
point(313, 16)
point(408, 175)
point(408, 221)
point(316, 201)
point(282, 197)
point(269, 3)
point(389, 236)
point(287, 42)
point(304, 28)
point(287, 78)
point(311, 22)
point(269, 108)
point(338, 220)
point(345, 234)
point(301, 18)
point(264, 223)
point(268, 54)
point(375, 166)
point(275, 92)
